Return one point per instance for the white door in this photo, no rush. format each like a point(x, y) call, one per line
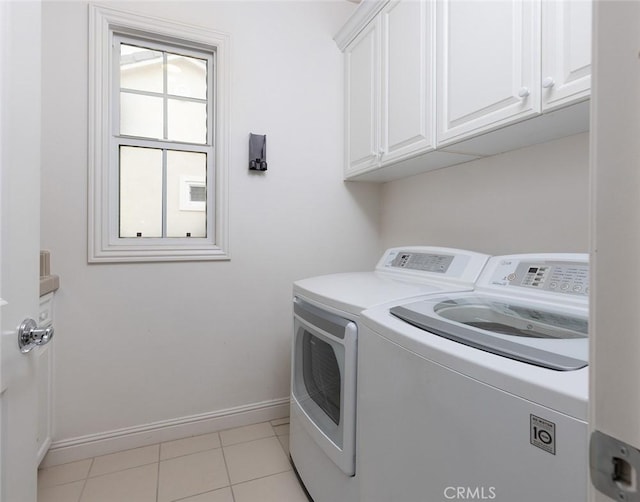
point(488, 65)
point(362, 71)
point(19, 243)
point(408, 108)
point(615, 174)
point(566, 52)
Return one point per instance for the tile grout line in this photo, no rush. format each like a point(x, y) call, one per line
point(191, 453)
point(226, 468)
point(86, 479)
point(187, 497)
point(248, 440)
point(158, 471)
point(121, 470)
point(84, 484)
point(261, 477)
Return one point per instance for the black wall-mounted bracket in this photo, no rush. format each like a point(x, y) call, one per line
point(257, 152)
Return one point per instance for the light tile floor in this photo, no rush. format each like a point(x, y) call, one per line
point(247, 464)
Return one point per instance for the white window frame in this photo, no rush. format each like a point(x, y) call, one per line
point(104, 242)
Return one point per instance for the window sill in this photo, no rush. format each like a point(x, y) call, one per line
point(148, 254)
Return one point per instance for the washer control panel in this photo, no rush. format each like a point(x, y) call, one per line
point(570, 278)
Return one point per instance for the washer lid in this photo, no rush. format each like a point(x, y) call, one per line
point(525, 332)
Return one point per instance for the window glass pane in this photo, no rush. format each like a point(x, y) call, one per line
point(186, 183)
point(187, 121)
point(140, 192)
point(140, 69)
point(186, 76)
point(140, 115)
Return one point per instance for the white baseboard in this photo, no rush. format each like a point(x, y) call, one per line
point(92, 445)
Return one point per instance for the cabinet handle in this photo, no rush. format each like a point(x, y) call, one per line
point(524, 92)
point(548, 83)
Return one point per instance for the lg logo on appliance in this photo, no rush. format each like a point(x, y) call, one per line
point(470, 493)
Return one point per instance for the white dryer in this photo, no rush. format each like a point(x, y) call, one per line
point(324, 355)
point(480, 395)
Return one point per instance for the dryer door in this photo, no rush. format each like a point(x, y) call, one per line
point(323, 381)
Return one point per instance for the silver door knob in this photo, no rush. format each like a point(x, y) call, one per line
point(30, 336)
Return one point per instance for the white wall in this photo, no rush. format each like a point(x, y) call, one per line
point(535, 199)
point(139, 343)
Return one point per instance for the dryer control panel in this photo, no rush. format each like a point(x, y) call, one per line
point(566, 277)
point(432, 263)
point(428, 262)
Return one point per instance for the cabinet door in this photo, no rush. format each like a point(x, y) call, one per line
point(362, 93)
point(408, 101)
point(566, 52)
point(487, 65)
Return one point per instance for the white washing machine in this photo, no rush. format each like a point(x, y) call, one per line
point(480, 395)
point(324, 355)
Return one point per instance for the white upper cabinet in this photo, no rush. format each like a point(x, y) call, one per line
point(362, 95)
point(390, 111)
point(408, 112)
point(488, 65)
point(566, 52)
point(434, 83)
point(390, 92)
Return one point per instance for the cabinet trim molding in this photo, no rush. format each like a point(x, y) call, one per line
point(362, 16)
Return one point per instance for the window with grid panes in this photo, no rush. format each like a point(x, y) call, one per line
point(160, 185)
point(163, 133)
